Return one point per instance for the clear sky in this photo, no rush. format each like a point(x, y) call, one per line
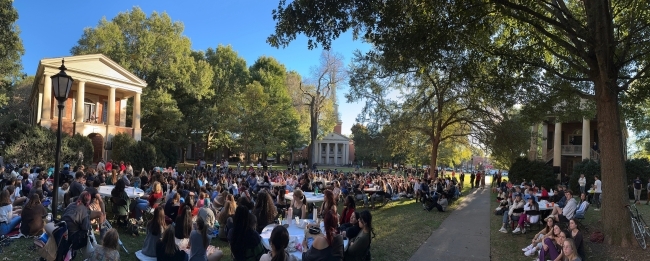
point(51, 28)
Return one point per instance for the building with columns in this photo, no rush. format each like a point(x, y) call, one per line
point(96, 105)
point(564, 144)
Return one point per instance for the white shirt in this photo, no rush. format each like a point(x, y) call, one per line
point(582, 181)
point(599, 186)
point(101, 166)
point(6, 213)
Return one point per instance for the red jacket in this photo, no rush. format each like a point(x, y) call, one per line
point(346, 214)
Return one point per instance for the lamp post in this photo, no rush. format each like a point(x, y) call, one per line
point(61, 84)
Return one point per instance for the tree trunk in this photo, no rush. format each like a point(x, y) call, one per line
point(313, 134)
point(435, 142)
point(183, 154)
point(616, 222)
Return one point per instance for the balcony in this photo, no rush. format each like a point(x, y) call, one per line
point(572, 150)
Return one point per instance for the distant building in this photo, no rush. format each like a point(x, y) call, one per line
point(96, 105)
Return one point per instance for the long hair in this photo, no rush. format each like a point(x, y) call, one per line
point(4, 198)
point(184, 223)
point(279, 241)
point(169, 242)
point(227, 211)
point(574, 252)
point(119, 188)
point(240, 226)
point(300, 195)
point(157, 223)
point(329, 200)
point(34, 201)
point(203, 230)
point(331, 221)
point(265, 208)
point(366, 217)
point(114, 176)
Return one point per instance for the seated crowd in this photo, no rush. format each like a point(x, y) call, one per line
point(525, 204)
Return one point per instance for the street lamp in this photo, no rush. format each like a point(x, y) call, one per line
point(61, 84)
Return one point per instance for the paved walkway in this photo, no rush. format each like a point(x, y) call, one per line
point(464, 235)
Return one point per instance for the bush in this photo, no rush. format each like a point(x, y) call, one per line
point(166, 151)
point(77, 149)
point(143, 155)
point(588, 167)
point(121, 144)
point(37, 145)
point(537, 171)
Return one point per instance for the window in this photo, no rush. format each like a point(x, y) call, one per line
point(90, 111)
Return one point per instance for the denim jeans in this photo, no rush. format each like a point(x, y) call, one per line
point(140, 206)
point(5, 228)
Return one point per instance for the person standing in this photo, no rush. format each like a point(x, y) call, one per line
point(582, 181)
point(462, 180)
point(598, 190)
point(647, 187)
point(471, 179)
point(638, 186)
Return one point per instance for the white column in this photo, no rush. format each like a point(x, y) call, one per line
point(346, 153)
point(557, 145)
point(46, 114)
point(123, 112)
point(336, 154)
point(136, 111)
point(327, 153)
point(586, 132)
point(79, 109)
point(544, 140)
point(110, 116)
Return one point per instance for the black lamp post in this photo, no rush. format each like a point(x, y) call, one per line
point(61, 84)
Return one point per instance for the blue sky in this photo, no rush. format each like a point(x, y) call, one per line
point(52, 28)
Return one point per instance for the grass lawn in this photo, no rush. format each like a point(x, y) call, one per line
point(507, 247)
point(400, 226)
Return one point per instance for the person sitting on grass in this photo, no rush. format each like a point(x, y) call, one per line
point(279, 241)
point(167, 250)
point(552, 247)
point(569, 251)
point(536, 243)
point(439, 202)
point(200, 248)
point(531, 205)
point(33, 214)
point(358, 246)
point(108, 250)
point(578, 247)
point(582, 207)
point(9, 219)
point(155, 229)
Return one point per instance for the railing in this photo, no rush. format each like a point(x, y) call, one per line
point(574, 150)
point(594, 155)
point(548, 156)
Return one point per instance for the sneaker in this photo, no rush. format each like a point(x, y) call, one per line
point(596, 209)
point(503, 230)
point(529, 247)
point(530, 252)
point(517, 230)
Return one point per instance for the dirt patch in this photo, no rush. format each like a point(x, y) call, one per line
point(601, 251)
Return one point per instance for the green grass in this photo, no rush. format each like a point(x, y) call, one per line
point(400, 226)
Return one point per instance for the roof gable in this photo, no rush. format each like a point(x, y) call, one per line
point(97, 65)
point(335, 137)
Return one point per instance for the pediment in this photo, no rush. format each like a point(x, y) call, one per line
point(95, 65)
point(335, 137)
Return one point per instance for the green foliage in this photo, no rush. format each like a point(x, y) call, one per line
point(121, 144)
point(143, 155)
point(590, 168)
point(37, 145)
point(508, 139)
point(77, 149)
point(11, 50)
point(166, 151)
point(542, 174)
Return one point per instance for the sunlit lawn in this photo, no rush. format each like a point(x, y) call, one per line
point(400, 226)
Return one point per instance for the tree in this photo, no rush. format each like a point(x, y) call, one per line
point(11, 50)
point(507, 140)
point(592, 49)
point(155, 49)
point(444, 102)
point(251, 117)
point(320, 93)
point(280, 119)
point(122, 142)
point(300, 136)
point(37, 145)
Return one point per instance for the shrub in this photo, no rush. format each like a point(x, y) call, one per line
point(537, 171)
point(143, 155)
point(166, 151)
point(78, 150)
point(121, 144)
point(37, 145)
point(588, 167)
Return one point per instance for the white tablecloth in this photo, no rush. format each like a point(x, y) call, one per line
point(550, 194)
point(105, 191)
point(311, 198)
point(298, 234)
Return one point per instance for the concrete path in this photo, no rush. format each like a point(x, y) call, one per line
point(464, 235)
